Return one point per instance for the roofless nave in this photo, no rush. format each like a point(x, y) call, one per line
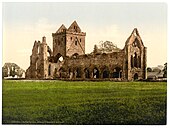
point(128, 63)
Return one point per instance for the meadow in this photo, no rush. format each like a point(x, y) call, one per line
point(66, 102)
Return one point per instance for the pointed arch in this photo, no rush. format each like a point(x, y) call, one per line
point(106, 72)
point(58, 57)
point(132, 61)
point(75, 55)
point(117, 72)
point(49, 70)
point(95, 72)
point(78, 72)
point(135, 60)
point(87, 73)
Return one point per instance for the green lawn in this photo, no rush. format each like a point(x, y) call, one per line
point(63, 102)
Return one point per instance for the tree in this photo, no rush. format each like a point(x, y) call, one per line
point(165, 70)
point(105, 47)
point(12, 69)
point(13, 73)
point(108, 46)
point(96, 50)
point(20, 72)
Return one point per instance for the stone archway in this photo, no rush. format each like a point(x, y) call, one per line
point(95, 73)
point(87, 73)
point(117, 73)
point(58, 58)
point(106, 73)
point(78, 72)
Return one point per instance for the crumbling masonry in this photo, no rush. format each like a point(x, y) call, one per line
point(68, 60)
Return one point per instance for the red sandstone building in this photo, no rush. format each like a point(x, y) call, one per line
point(68, 60)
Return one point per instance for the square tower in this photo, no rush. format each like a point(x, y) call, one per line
point(67, 42)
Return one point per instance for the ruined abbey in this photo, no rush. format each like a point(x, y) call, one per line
point(67, 59)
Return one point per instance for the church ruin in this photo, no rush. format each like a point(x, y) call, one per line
point(67, 59)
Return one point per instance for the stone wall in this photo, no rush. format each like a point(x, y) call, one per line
point(106, 64)
point(67, 42)
point(127, 64)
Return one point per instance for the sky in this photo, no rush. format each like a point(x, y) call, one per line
point(23, 23)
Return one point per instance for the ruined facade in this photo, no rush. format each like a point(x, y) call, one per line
point(68, 60)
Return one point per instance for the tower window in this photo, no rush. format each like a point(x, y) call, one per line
point(80, 40)
point(71, 38)
point(75, 42)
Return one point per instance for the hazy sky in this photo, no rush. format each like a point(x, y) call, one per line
point(23, 23)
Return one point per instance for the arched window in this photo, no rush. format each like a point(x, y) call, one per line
point(76, 42)
point(49, 70)
point(75, 55)
point(139, 61)
point(135, 60)
point(59, 58)
point(132, 61)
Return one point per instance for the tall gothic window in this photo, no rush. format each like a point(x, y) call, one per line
point(135, 60)
point(132, 62)
point(49, 70)
point(76, 42)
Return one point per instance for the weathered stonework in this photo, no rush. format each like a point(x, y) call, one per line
point(68, 59)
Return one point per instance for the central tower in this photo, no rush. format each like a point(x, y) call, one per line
point(68, 42)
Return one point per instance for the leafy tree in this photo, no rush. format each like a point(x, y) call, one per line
point(105, 47)
point(4, 72)
point(20, 72)
point(108, 46)
point(165, 70)
point(96, 50)
point(11, 69)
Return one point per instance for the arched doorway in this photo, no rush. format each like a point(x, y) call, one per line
point(95, 73)
point(136, 76)
point(117, 73)
point(87, 73)
point(78, 72)
point(106, 73)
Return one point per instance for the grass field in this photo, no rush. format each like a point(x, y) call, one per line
point(61, 102)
